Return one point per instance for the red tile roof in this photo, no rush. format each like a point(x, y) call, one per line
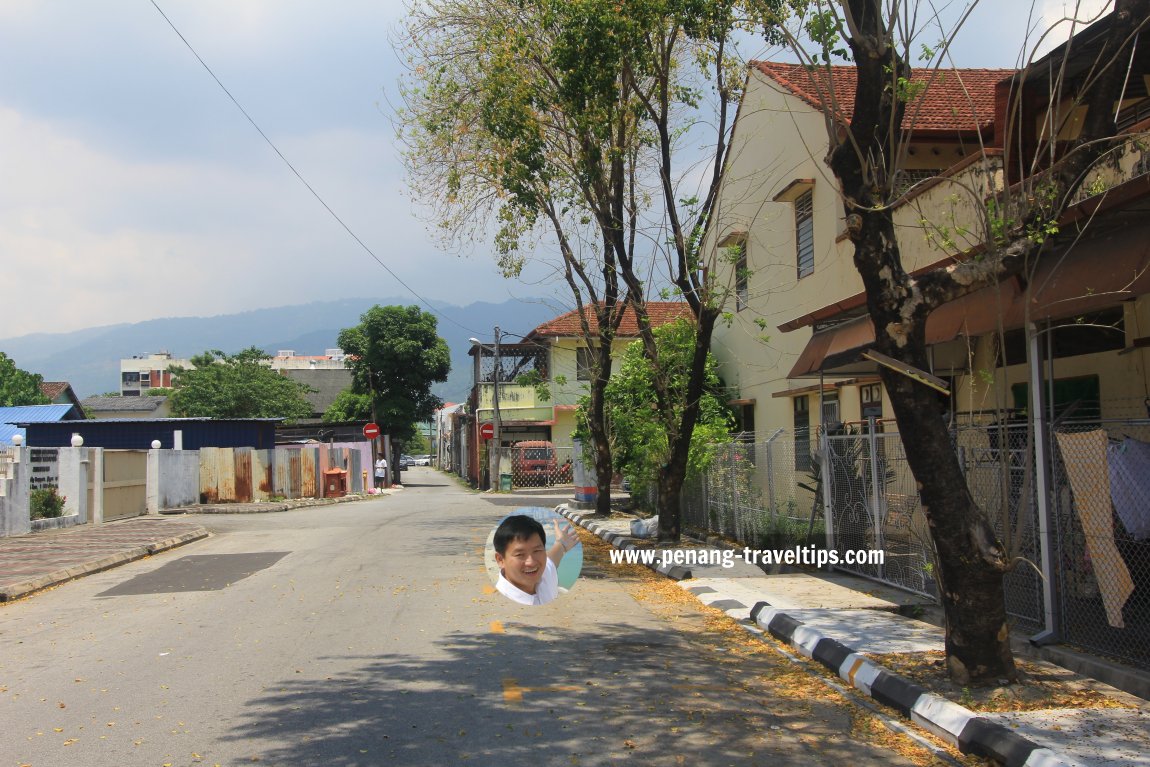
point(660, 313)
point(954, 99)
point(53, 389)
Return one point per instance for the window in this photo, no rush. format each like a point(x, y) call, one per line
point(805, 232)
point(742, 276)
point(870, 400)
point(802, 414)
point(830, 410)
point(584, 364)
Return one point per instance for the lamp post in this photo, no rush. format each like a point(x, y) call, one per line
point(496, 421)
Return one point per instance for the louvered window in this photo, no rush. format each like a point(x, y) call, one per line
point(805, 233)
point(742, 278)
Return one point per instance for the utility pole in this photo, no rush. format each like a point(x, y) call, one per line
point(496, 422)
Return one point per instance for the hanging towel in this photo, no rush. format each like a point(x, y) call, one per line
point(1130, 486)
point(1084, 457)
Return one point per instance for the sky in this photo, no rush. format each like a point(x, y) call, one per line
point(132, 188)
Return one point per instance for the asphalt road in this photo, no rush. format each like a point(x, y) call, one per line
point(369, 634)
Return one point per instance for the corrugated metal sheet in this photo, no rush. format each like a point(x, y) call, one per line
point(10, 416)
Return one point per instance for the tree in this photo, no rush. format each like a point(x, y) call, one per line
point(1020, 223)
point(395, 355)
point(19, 387)
point(640, 442)
point(503, 138)
point(237, 386)
point(348, 406)
point(587, 117)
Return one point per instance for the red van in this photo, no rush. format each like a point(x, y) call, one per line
point(533, 462)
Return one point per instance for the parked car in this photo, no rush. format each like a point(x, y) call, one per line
point(533, 462)
point(421, 460)
point(405, 461)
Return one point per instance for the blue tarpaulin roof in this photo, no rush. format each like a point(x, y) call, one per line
point(9, 416)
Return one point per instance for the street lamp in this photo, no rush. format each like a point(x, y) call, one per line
point(496, 421)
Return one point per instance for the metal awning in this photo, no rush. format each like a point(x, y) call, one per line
point(1098, 273)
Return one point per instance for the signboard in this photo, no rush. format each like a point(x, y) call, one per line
point(371, 431)
point(487, 431)
point(45, 468)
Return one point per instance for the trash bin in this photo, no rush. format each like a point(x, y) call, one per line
point(334, 483)
point(505, 483)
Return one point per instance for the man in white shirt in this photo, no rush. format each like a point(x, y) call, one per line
point(528, 572)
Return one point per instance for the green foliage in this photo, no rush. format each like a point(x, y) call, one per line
point(639, 437)
point(535, 379)
point(348, 406)
point(46, 503)
point(18, 387)
point(159, 391)
point(237, 386)
point(395, 355)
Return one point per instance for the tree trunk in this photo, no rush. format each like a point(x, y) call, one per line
point(971, 561)
point(674, 472)
point(596, 424)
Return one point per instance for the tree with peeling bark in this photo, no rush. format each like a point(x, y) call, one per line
point(580, 119)
point(1021, 223)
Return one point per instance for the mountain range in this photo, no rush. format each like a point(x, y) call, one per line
point(89, 359)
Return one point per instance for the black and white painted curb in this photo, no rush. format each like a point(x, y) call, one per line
point(621, 542)
point(957, 725)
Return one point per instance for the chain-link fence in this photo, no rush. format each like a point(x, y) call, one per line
point(772, 494)
point(533, 464)
point(753, 492)
point(1101, 507)
point(875, 508)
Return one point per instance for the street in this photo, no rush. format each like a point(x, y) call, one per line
point(369, 634)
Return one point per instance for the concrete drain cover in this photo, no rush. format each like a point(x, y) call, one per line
point(200, 572)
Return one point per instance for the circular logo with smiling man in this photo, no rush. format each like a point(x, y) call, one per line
point(533, 556)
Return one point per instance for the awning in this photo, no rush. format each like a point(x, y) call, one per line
point(1098, 273)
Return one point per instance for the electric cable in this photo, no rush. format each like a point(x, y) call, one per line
point(299, 176)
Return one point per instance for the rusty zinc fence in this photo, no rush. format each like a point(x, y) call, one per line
point(245, 475)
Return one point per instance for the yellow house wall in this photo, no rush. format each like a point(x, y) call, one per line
point(779, 139)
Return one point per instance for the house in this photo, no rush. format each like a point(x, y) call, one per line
point(1074, 328)
point(148, 371)
point(326, 374)
point(780, 216)
point(59, 393)
point(100, 408)
point(556, 354)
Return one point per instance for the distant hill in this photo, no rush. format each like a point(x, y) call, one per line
point(90, 359)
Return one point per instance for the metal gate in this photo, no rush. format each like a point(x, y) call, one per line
point(125, 484)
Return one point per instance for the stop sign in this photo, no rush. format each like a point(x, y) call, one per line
point(487, 430)
point(371, 431)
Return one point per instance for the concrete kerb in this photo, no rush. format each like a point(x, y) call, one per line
point(270, 507)
point(955, 724)
point(621, 542)
point(24, 588)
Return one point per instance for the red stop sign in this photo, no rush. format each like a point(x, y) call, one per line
point(487, 430)
point(371, 431)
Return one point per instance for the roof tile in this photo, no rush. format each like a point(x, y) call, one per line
point(954, 99)
point(660, 313)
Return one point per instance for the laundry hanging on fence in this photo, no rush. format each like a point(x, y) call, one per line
point(1130, 485)
point(1084, 458)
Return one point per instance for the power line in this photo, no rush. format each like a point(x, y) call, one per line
point(303, 180)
